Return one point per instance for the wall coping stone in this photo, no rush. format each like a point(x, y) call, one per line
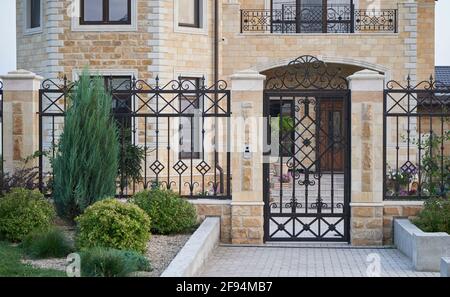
point(190, 259)
point(210, 201)
point(20, 74)
point(366, 204)
point(403, 203)
point(247, 203)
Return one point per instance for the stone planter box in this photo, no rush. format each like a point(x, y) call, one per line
point(191, 258)
point(425, 249)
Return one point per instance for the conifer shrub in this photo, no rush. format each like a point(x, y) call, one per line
point(86, 164)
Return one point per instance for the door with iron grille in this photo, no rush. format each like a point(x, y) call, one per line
point(307, 171)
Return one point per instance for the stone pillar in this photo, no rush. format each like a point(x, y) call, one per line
point(20, 117)
point(367, 158)
point(247, 206)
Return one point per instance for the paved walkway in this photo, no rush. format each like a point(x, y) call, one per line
point(274, 261)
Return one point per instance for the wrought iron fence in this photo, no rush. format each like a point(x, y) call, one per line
point(291, 18)
point(416, 150)
point(176, 125)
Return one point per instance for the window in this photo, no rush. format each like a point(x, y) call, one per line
point(97, 12)
point(189, 13)
point(121, 102)
point(33, 20)
point(190, 130)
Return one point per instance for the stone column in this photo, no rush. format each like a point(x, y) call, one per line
point(20, 117)
point(247, 206)
point(367, 158)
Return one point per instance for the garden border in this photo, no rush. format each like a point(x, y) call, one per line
point(191, 258)
point(425, 249)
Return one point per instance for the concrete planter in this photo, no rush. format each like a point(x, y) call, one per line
point(425, 249)
point(189, 261)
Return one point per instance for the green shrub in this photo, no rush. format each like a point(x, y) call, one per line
point(85, 167)
point(107, 262)
point(23, 211)
point(169, 213)
point(435, 216)
point(113, 224)
point(50, 243)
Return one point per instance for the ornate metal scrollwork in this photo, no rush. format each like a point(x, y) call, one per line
point(307, 72)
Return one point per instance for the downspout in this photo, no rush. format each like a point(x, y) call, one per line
point(216, 79)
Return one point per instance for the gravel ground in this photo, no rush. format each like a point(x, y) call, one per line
point(161, 250)
point(52, 263)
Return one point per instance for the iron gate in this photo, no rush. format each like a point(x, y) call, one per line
point(307, 172)
point(180, 128)
point(416, 145)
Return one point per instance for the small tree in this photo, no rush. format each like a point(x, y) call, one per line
point(85, 168)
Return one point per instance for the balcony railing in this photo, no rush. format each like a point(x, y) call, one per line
point(318, 19)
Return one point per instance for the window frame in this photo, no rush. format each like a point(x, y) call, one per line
point(197, 13)
point(201, 29)
point(28, 30)
point(190, 155)
point(105, 17)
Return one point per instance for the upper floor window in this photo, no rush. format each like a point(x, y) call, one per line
point(33, 17)
point(189, 12)
point(99, 12)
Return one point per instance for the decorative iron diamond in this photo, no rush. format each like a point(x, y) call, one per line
point(306, 142)
point(157, 167)
point(409, 168)
point(281, 227)
point(203, 167)
point(180, 167)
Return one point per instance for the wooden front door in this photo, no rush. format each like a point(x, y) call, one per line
point(331, 135)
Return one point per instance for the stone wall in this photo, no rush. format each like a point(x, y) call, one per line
point(216, 208)
point(393, 209)
point(247, 224)
point(31, 47)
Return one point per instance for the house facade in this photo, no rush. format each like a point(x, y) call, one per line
point(318, 67)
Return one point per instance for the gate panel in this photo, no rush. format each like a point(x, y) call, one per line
point(308, 175)
point(307, 191)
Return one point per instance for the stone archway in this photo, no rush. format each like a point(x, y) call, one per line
point(366, 205)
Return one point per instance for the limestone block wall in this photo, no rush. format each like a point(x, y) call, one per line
point(103, 50)
point(402, 53)
point(220, 209)
point(180, 50)
point(32, 53)
point(393, 209)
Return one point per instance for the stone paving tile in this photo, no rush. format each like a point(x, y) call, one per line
point(271, 261)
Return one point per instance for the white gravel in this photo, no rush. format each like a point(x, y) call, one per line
point(161, 250)
point(52, 263)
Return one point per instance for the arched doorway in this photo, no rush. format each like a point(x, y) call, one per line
point(307, 176)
